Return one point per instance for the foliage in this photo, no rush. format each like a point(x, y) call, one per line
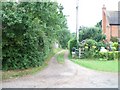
point(103, 55)
point(93, 38)
point(116, 45)
point(72, 43)
point(90, 48)
point(63, 38)
point(112, 55)
point(29, 30)
point(19, 73)
point(100, 44)
point(114, 39)
point(73, 34)
point(99, 24)
point(94, 33)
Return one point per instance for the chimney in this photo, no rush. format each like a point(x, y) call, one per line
point(104, 19)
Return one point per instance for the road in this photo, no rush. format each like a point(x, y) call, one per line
point(67, 75)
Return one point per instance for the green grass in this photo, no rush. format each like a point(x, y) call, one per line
point(19, 73)
point(60, 58)
point(108, 66)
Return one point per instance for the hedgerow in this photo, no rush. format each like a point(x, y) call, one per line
point(29, 30)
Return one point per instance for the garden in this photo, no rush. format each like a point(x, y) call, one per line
point(93, 51)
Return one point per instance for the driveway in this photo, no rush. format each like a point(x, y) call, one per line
point(67, 75)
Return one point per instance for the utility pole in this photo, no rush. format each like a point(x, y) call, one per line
point(77, 25)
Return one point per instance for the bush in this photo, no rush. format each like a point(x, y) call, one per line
point(90, 43)
point(103, 55)
point(94, 33)
point(114, 39)
point(112, 55)
point(116, 54)
point(29, 31)
point(90, 48)
point(116, 45)
point(93, 38)
point(72, 43)
point(100, 44)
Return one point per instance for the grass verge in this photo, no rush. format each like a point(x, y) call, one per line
point(19, 73)
point(95, 64)
point(60, 57)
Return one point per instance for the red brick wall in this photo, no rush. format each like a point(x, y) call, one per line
point(107, 33)
point(119, 31)
point(106, 28)
point(114, 30)
point(111, 31)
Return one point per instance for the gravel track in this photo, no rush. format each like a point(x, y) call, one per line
point(67, 75)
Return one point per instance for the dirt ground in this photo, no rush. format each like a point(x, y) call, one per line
point(67, 75)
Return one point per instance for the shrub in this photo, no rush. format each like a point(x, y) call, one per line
point(112, 55)
point(116, 45)
point(28, 36)
point(72, 43)
point(92, 48)
point(103, 55)
point(89, 48)
point(114, 39)
point(91, 42)
point(100, 44)
point(94, 33)
point(116, 54)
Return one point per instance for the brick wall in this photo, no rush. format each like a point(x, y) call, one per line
point(108, 30)
point(114, 30)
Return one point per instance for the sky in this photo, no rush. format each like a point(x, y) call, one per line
point(90, 11)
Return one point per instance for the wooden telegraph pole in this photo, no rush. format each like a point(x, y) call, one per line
point(77, 26)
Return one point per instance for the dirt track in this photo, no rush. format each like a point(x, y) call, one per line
point(67, 75)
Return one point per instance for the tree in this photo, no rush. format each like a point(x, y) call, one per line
point(29, 30)
point(94, 33)
point(99, 24)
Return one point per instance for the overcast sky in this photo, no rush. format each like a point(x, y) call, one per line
point(90, 11)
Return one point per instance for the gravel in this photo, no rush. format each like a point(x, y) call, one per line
point(67, 75)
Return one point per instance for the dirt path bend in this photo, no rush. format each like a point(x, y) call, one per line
point(67, 75)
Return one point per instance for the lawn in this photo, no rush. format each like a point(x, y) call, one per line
point(108, 66)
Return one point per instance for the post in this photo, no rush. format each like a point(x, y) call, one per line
point(79, 52)
point(77, 24)
point(77, 28)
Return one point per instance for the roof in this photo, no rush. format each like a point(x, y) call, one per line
point(113, 17)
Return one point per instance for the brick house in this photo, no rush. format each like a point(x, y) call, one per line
point(110, 23)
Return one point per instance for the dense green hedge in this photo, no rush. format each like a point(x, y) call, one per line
point(112, 55)
point(72, 43)
point(29, 30)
